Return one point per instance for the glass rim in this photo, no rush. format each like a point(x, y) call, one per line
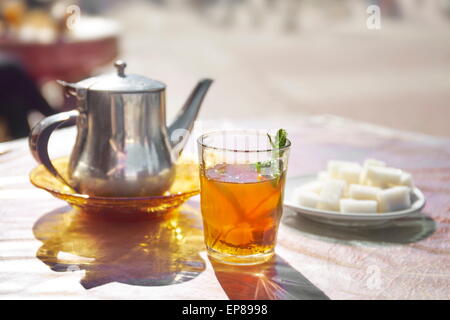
point(254, 132)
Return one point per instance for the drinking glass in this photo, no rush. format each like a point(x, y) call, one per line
point(242, 179)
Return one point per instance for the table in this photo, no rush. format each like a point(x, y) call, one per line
point(49, 251)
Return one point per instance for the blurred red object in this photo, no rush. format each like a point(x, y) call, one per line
point(72, 59)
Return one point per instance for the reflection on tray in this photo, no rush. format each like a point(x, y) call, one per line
point(156, 252)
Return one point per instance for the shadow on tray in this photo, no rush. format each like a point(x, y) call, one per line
point(273, 280)
point(156, 252)
point(400, 231)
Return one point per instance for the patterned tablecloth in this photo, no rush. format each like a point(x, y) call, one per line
point(48, 250)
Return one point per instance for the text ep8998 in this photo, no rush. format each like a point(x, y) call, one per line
point(229, 309)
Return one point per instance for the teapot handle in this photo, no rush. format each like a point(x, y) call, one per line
point(40, 135)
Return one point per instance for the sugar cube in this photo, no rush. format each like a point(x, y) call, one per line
point(323, 176)
point(369, 163)
point(307, 198)
point(363, 177)
point(360, 192)
point(373, 162)
point(313, 186)
point(406, 180)
point(358, 206)
point(332, 191)
point(334, 166)
point(350, 174)
point(394, 199)
point(381, 176)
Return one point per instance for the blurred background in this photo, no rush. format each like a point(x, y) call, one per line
point(272, 60)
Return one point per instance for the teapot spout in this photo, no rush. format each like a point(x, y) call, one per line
point(181, 127)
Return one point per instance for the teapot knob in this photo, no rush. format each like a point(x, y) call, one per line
point(120, 66)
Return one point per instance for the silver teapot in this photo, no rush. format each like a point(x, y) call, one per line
point(123, 147)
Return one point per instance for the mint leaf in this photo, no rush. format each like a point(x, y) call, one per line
point(262, 164)
point(270, 141)
point(280, 138)
point(276, 163)
point(258, 167)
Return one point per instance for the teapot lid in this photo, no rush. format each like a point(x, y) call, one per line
point(120, 82)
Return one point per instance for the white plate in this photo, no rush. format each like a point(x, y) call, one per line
point(346, 219)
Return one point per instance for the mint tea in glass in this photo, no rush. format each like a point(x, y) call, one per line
point(242, 175)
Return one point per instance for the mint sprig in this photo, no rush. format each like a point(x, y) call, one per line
point(277, 143)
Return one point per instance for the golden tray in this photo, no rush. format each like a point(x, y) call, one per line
point(185, 186)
